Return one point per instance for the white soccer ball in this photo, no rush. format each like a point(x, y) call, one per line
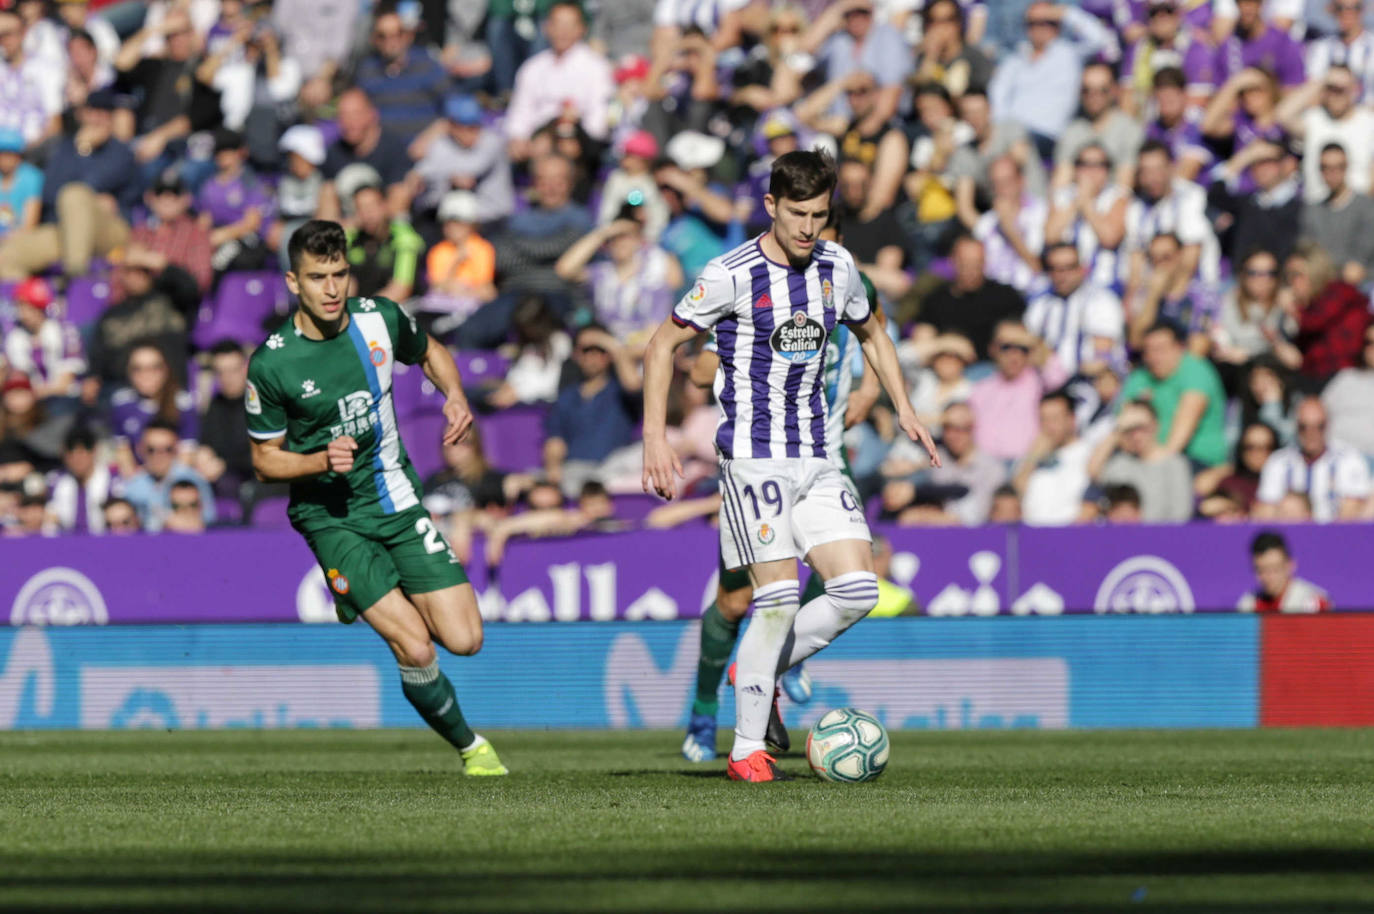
point(847, 745)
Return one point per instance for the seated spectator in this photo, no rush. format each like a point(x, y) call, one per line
point(21, 185)
point(849, 107)
point(1232, 487)
point(383, 253)
point(318, 35)
point(874, 238)
point(1101, 123)
point(1326, 111)
point(1090, 213)
point(970, 164)
point(1244, 111)
point(942, 382)
point(84, 485)
point(1334, 476)
point(634, 286)
point(186, 514)
point(541, 349)
point(1013, 230)
point(702, 221)
point(1081, 322)
point(1349, 43)
point(928, 215)
point(173, 231)
point(1348, 400)
point(31, 514)
point(1266, 215)
point(120, 517)
point(1257, 43)
point(27, 422)
point(1178, 123)
point(1006, 506)
point(236, 208)
point(32, 84)
point(150, 489)
point(468, 495)
point(1167, 204)
point(847, 38)
point(151, 393)
point(405, 82)
point(1280, 589)
point(565, 137)
point(527, 253)
point(1171, 293)
point(970, 304)
point(1132, 457)
point(363, 141)
point(1267, 395)
point(87, 195)
point(1251, 316)
point(465, 155)
point(223, 455)
point(594, 511)
point(1332, 315)
point(462, 268)
point(960, 491)
point(1121, 504)
point(596, 416)
point(945, 55)
point(633, 182)
point(1053, 477)
point(257, 86)
point(1185, 393)
point(568, 75)
point(1036, 85)
point(300, 192)
point(44, 347)
point(1005, 404)
point(89, 67)
point(1168, 45)
point(155, 302)
point(1341, 221)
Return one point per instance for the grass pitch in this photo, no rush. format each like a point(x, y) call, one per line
point(1252, 821)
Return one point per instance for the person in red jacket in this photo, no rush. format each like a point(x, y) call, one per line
point(1279, 589)
point(1332, 315)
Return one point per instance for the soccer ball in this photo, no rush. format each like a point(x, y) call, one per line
point(847, 745)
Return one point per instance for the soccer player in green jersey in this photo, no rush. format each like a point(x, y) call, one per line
point(321, 418)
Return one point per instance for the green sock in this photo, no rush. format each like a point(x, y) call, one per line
point(428, 689)
point(815, 586)
point(718, 635)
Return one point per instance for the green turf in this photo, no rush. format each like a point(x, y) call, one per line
point(340, 821)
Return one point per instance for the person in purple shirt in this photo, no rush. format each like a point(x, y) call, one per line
point(1246, 110)
point(151, 393)
point(1178, 125)
point(1256, 43)
point(1167, 43)
point(236, 207)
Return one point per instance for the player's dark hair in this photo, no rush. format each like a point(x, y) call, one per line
point(1170, 78)
point(319, 238)
point(226, 346)
point(1266, 540)
point(79, 436)
point(802, 175)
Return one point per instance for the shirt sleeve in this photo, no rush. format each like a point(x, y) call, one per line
point(855, 309)
point(264, 407)
point(1271, 482)
point(710, 300)
point(1103, 316)
point(1352, 476)
point(410, 341)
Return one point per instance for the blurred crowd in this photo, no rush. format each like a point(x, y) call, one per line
point(1126, 247)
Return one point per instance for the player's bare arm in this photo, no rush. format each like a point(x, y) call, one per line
point(272, 462)
point(662, 468)
point(882, 356)
point(442, 371)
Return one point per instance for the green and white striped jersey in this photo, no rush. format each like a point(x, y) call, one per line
point(313, 391)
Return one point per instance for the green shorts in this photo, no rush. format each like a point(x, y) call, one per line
point(364, 559)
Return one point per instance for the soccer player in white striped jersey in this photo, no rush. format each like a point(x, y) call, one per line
point(773, 302)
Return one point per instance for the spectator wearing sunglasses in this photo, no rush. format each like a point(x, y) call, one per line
point(150, 491)
point(1167, 44)
point(1178, 124)
point(1333, 475)
point(1101, 121)
point(1351, 45)
point(1006, 403)
point(1342, 221)
point(1323, 112)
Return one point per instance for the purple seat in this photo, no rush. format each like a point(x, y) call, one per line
point(422, 434)
point(481, 365)
point(270, 514)
point(228, 511)
point(87, 297)
point(242, 303)
point(634, 507)
point(411, 392)
point(514, 438)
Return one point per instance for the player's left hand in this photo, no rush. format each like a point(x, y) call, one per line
point(919, 434)
point(459, 416)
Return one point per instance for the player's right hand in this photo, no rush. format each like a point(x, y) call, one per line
point(662, 469)
point(341, 451)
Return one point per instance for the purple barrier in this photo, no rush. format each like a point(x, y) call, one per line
point(270, 576)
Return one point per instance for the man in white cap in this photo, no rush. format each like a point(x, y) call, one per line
point(462, 267)
point(298, 194)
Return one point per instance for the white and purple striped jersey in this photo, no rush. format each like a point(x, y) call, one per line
point(772, 325)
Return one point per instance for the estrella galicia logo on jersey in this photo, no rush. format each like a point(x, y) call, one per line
point(252, 403)
point(355, 405)
point(308, 389)
point(799, 340)
point(338, 581)
point(767, 534)
point(376, 353)
point(827, 293)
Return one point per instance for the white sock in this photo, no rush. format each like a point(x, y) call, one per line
point(847, 599)
point(775, 607)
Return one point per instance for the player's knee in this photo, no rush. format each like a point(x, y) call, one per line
point(464, 644)
point(854, 594)
point(417, 652)
point(734, 604)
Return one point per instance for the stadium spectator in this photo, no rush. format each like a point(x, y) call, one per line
point(383, 252)
point(363, 141)
point(31, 514)
point(1186, 394)
point(1131, 456)
point(30, 85)
point(1121, 504)
point(542, 348)
point(1006, 404)
point(83, 485)
point(1080, 321)
point(120, 517)
point(1090, 213)
point(1259, 44)
point(566, 78)
point(186, 512)
point(236, 208)
point(155, 302)
point(633, 287)
point(1332, 314)
point(1348, 398)
point(150, 489)
point(863, 136)
point(1251, 316)
point(1267, 395)
point(960, 491)
point(1053, 477)
point(513, 32)
point(258, 88)
point(89, 188)
point(1177, 123)
point(1101, 122)
point(623, 29)
point(88, 68)
point(945, 55)
point(969, 304)
point(1006, 506)
point(151, 393)
point(1341, 221)
point(461, 268)
point(1267, 214)
point(1338, 119)
point(1334, 476)
point(1245, 110)
point(42, 346)
point(465, 155)
point(632, 182)
point(1231, 487)
point(223, 454)
point(1167, 44)
point(548, 517)
point(1351, 45)
point(1280, 590)
point(691, 236)
point(1166, 203)
point(847, 38)
point(595, 416)
point(874, 238)
point(77, 19)
point(300, 192)
point(21, 185)
point(928, 215)
point(26, 421)
point(405, 82)
point(1012, 230)
point(318, 35)
point(173, 231)
point(1171, 293)
point(941, 382)
point(1037, 84)
point(971, 163)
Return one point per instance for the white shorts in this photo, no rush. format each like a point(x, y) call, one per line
point(774, 508)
